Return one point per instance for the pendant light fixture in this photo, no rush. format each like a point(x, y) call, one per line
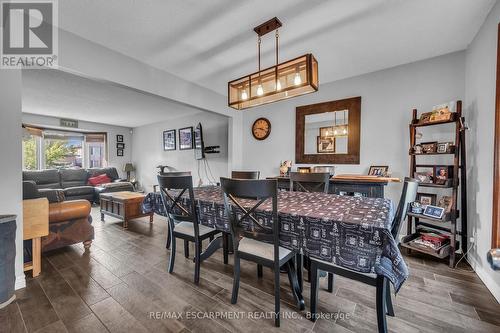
point(292, 78)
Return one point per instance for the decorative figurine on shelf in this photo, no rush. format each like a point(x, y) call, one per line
point(417, 149)
point(285, 167)
point(416, 207)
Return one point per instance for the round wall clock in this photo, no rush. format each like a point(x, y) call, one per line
point(261, 128)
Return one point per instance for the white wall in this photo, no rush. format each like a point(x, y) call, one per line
point(388, 97)
point(480, 112)
point(148, 149)
point(10, 150)
point(112, 131)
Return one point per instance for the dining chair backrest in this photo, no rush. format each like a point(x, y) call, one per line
point(408, 195)
point(234, 191)
point(309, 182)
point(245, 174)
point(172, 188)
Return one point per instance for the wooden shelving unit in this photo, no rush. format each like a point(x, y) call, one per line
point(448, 224)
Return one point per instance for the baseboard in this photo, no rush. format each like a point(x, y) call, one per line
point(487, 278)
point(20, 282)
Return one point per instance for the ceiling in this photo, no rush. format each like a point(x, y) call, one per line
point(59, 94)
point(212, 42)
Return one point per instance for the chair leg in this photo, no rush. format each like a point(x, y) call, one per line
point(259, 270)
point(276, 295)
point(225, 247)
point(172, 254)
point(168, 237)
point(292, 277)
point(197, 251)
point(300, 276)
point(330, 282)
point(388, 300)
point(186, 248)
point(314, 289)
point(236, 279)
point(381, 303)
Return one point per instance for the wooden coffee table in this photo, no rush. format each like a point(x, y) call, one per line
point(124, 205)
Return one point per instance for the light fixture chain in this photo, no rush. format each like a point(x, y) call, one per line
point(258, 47)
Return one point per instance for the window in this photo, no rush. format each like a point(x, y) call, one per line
point(52, 149)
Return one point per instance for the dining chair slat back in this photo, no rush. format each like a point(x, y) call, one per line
point(309, 182)
point(245, 174)
point(408, 195)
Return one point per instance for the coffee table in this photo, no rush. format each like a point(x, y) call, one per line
point(124, 205)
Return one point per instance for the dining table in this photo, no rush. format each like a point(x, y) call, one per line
point(350, 232)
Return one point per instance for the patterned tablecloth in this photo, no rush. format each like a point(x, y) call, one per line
point(352, 232)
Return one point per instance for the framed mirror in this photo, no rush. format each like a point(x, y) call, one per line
point(328, 133)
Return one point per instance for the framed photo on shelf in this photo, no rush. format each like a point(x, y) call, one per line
point(425, 118)
point(169, 141)
point(445, 202)
point(429, 147)
point(434, 211)
point(119, 138)
point(378, 170)
point(442, 173)
point(325, 145)
point(426, 199)
point(444, 147)
point(186, 138)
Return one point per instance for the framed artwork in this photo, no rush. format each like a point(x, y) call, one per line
point(325, 145)
point(169, 140)
point(444, 147)
point(120, 145)
point(424, 175)
point(378, 170)
point(119, 138)
point(119, 152)
point(429, 147)
point(426, 199)
point(186, 138)
point(442, 173)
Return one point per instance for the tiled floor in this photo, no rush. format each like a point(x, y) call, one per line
point(121, 285)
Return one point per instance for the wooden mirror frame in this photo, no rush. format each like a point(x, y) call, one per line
point(354, 127)
point(495, 237)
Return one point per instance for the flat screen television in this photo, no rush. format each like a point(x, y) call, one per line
point(199, 145)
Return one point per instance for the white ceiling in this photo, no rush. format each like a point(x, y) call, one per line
point(59, 94)
point(212, 42)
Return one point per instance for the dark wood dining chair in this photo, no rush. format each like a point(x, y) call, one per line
point(245, 174)
point(383, 294)
point(183, 219)
point(261, 245)
point(174, 174)
point(309, 182)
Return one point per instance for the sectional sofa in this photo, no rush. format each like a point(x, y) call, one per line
point(74, 182)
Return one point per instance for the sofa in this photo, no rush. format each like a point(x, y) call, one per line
point(70, 221)
point(74, 182)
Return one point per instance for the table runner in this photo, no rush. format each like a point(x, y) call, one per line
point(351, 232)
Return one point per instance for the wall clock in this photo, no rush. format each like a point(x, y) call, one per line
point(261, 128)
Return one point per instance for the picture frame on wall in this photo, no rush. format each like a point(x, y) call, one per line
point(186, 138)
point(119, 138)
point(169, 140)
point(119, 152)
point(120, 145)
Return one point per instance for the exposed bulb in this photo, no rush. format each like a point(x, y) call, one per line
point(260, 91)
point(297, 80)
point(344, 131)
point(244, 95)
point(335, 132)
point(278, 85)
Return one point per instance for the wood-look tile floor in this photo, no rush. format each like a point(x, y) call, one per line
point(121, 285)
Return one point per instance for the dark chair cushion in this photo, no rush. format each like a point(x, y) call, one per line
point(110, 171)
point(78, 191)
point(43, 178)
point(73, 177)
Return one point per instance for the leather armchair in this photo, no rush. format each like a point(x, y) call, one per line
point(70, 221)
